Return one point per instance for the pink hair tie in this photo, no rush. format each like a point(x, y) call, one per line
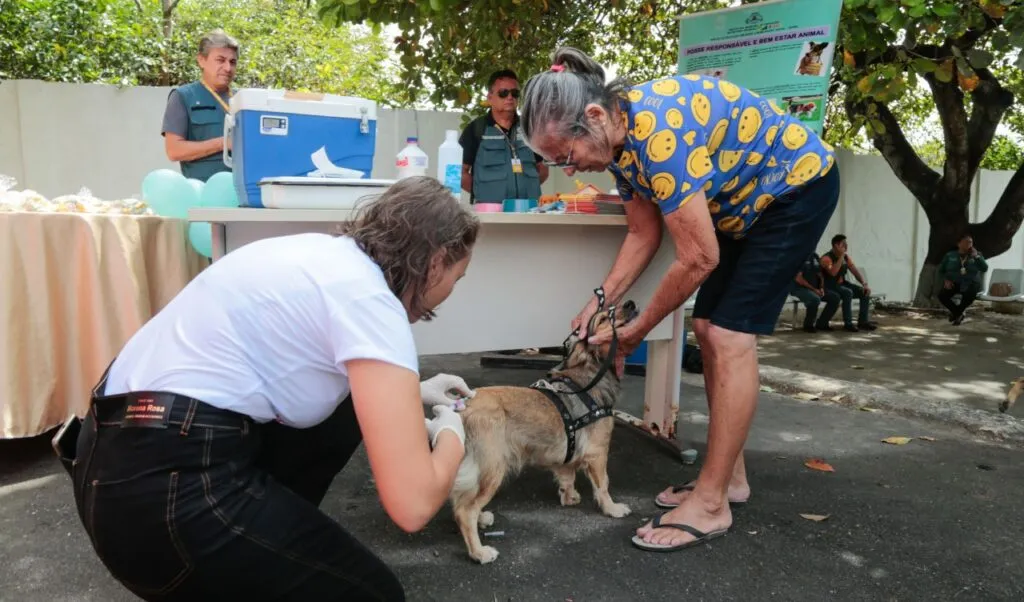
point(558, 68)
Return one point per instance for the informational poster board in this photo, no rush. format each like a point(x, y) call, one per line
point(780, 49)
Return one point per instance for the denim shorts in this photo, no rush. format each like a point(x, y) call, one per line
point(748, 289)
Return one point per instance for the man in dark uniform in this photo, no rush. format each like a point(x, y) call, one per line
point(963, 272)
point(809, 287)
point(834, 266)
point(193, 126)
point(496, 163)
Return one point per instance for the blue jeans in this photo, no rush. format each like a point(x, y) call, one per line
point(748, 289)
point(811, 301)
point(849, 291)
point(212, 506)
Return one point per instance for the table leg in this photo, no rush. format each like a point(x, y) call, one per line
point(661, 387)
point(219, 240)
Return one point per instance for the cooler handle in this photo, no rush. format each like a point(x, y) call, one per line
point(229, 130)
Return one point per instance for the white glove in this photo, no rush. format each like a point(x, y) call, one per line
point(445, 419)
point(434, 391)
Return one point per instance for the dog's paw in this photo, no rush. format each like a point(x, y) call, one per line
point(570, 497)
point(616, 510)
point(487, 555)
point(486, 519)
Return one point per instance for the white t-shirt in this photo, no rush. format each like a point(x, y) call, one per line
point(266, 330)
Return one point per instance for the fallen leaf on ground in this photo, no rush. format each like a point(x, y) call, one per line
point(856, 367)
point(837, 398)
point(897, 440)
point(926, 438)
point(867, 409)
point(819, 464)
point(767, 389)
point(948, 368)
point(815, 517)
point(807, 397)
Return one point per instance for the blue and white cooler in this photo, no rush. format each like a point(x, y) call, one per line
point(299, 138)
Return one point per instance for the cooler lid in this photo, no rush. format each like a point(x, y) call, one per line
point(302, 103)
point(325, 181)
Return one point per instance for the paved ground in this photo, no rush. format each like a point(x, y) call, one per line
point(913, 353)
point(924, 521)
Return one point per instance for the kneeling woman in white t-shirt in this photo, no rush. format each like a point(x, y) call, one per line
point(215, 434)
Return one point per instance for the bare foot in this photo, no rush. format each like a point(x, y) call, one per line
point(690, 512)
point(739, 492)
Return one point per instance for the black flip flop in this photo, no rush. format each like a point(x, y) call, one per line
point(701, 537)
point(690, 487)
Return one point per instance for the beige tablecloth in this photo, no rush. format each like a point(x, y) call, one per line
point(75, 287)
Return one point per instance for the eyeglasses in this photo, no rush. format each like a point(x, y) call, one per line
point(568, 157)
point(504, 92)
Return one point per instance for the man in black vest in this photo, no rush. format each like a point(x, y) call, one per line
point(809, 287)
point(496, 163)
point(194, 118)
point(834, 266)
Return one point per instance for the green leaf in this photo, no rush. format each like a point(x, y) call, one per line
point(922, 65)
point(945, 9)
point(979, 59)
point(944, 71)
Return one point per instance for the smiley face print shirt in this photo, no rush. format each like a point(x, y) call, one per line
point(691, 133)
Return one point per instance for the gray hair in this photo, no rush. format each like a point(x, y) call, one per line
point(216, 39)
point(557, 98)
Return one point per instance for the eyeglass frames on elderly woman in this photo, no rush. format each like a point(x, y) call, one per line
point(568, 157)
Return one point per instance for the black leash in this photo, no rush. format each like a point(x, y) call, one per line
point(595, 412)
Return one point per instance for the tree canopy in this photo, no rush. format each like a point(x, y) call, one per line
point(129, 42)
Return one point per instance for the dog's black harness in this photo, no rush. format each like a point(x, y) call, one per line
point(570, 399)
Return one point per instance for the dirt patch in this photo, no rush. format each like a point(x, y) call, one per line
point(916, 352)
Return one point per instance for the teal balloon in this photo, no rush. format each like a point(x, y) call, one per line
point(197, 185)
point(169, 193)
point(200, 236)
point(219, 191)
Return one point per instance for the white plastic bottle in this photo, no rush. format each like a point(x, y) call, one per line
point(449, 163)
point(411, 161)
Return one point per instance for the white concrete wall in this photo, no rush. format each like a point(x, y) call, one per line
point(57, 138)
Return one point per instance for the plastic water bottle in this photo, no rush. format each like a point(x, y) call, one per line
point(449, 163)
point(411, 161)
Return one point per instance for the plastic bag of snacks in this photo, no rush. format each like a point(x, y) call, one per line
point(82, 202)
point(20, 200)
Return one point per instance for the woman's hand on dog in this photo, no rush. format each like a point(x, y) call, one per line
point(434, 391)
point(582, 321)
point(445, 419)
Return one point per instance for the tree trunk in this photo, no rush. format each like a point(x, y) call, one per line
point(928, 285)
point(947, 222)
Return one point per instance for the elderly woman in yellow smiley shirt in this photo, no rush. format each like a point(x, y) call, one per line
point(745, 191)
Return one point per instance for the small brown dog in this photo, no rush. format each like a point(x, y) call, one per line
point(1016, 388)
point(508, 428)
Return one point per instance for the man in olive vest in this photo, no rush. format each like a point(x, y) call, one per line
point(834, 266)
point(962, 271)
point(496, 163)
point(194, 118)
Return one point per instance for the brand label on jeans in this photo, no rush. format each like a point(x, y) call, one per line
point(146, 412)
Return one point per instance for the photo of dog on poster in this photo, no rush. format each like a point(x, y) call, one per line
point(814, 58)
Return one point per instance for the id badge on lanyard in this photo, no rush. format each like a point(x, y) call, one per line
point(517, 165)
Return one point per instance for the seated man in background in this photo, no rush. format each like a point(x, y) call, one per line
point(809, 287)
point(834, 266)
point(961, 271)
